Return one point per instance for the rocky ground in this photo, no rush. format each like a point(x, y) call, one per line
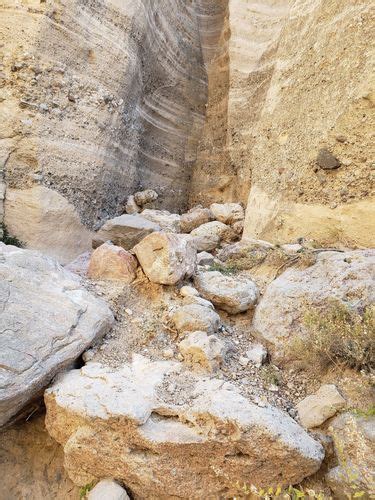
point(192, 332)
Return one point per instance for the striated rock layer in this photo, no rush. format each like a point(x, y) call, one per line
point(99, 98)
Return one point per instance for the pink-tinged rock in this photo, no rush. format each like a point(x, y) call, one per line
point(166, 258)
point(112, 262)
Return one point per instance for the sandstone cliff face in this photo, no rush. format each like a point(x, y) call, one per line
point(98, 98)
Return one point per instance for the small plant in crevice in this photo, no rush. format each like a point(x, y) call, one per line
point(84, 490)
point(224, 269)
point(338, 335)
point(10, 240)
point(270, 375)
point(271, 493)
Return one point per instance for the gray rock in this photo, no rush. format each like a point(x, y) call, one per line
point(195, 317)
point(233, 294)
point(327, 161)
point(205, 259)
point(125, 231)
point(257, 354)
point(47, 320)
point(107, 489)
point(142, 198)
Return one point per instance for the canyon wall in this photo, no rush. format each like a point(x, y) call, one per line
point(99, 98)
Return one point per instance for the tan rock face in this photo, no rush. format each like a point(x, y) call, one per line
point(202, 351)
point(166, 258)
point(317, 408)
point(195, 317)
point(124, 424)
point(112, 262)
point(195, 218)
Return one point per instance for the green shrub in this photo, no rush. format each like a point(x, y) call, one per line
point(10, 240)
point(338, 335)
point(224, 269)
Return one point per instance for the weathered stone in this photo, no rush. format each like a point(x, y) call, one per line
point(197, 300)
point(167, 221)
point(131, 206)
point(205, 259)
point(107, 489)
point(346, 277)
point(254, 250)
point(125, 231)
point(80, 265)
point(314, 410)
point(233, 294)
point(112, 262)
point(188, 291)
point(47, 321)
point(354, 441)
point(208, 236)
point(202, 352)
point(238, 227)
point(166, 258)
point(143, 197)
point(195, 218)
point(124, 424)
point(195, 317)
point(327, 161)
point(257, 354)
point(228, 213)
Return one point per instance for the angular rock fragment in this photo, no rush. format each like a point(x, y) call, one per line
point(228, 213)
point(131, 206)
point(205, 259)
point(233, 294)
point(195, 218)
point(167, 221)
point(189, 291)
point(142, 198)
point(107, 489)
point(201, 351)
point(47, 320)
point(125, 424)
point(112, 262)
point(327, 161)
point(80, 265)
point(257, 354)
point(195, 317)
point(208, 236)
point(346, 277)
point(125, 231)
point(166, 258)
point(316, 409)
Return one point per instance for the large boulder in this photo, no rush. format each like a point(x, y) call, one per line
point(166, 258)
point(125, 231)
point(229, 213)
point(233, 294)
point(208, 236)
point(195, 218)
point(47, 320)
point(169, 433)
point(354, 441)
point(343, 276)
point(167, 221)
point(112, 262)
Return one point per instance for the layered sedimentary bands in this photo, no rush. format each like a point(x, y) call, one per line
point(203, 100)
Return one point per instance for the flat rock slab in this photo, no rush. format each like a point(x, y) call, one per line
point(233, 294)
point(125, 231)
point(47, 320)
point(194, 440)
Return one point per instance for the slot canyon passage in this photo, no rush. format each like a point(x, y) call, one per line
point(187, 252)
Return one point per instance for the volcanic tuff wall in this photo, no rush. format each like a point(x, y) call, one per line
point(204, 100)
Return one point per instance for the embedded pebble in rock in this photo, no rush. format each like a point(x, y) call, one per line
point(208, 236)
point(195, 317)
point(232, 294)
point(125, 231)
point(166, 258)
point(188, 291)
point(131, 206)
point(112, 262)
point(167, 432)
point(201, 351)
point(228, 213)
point(257, 354)
point(107, 489)
point(327, 161)
point(167, 221)
point(142, 198)
point(195, 218)
point(314, 410)
point(205, 259)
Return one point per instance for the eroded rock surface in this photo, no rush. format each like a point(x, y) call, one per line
point(125, 424)
point(112, 262)
point(47, 320)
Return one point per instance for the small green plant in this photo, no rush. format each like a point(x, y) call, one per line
point(290, 493)
point(10, 240)
point(370, 412)
point(337, 335)
point(270, 375)
point(224, 269)
point(85, 489)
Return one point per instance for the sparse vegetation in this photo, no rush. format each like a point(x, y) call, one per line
point(370, 412)
point(270, 375)
point(290, 493)
point(228, 269)
point(85, 489)
point(10, 240)
point(338, 335)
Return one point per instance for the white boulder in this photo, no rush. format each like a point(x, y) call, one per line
point(228, 213)
point(107, 489)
